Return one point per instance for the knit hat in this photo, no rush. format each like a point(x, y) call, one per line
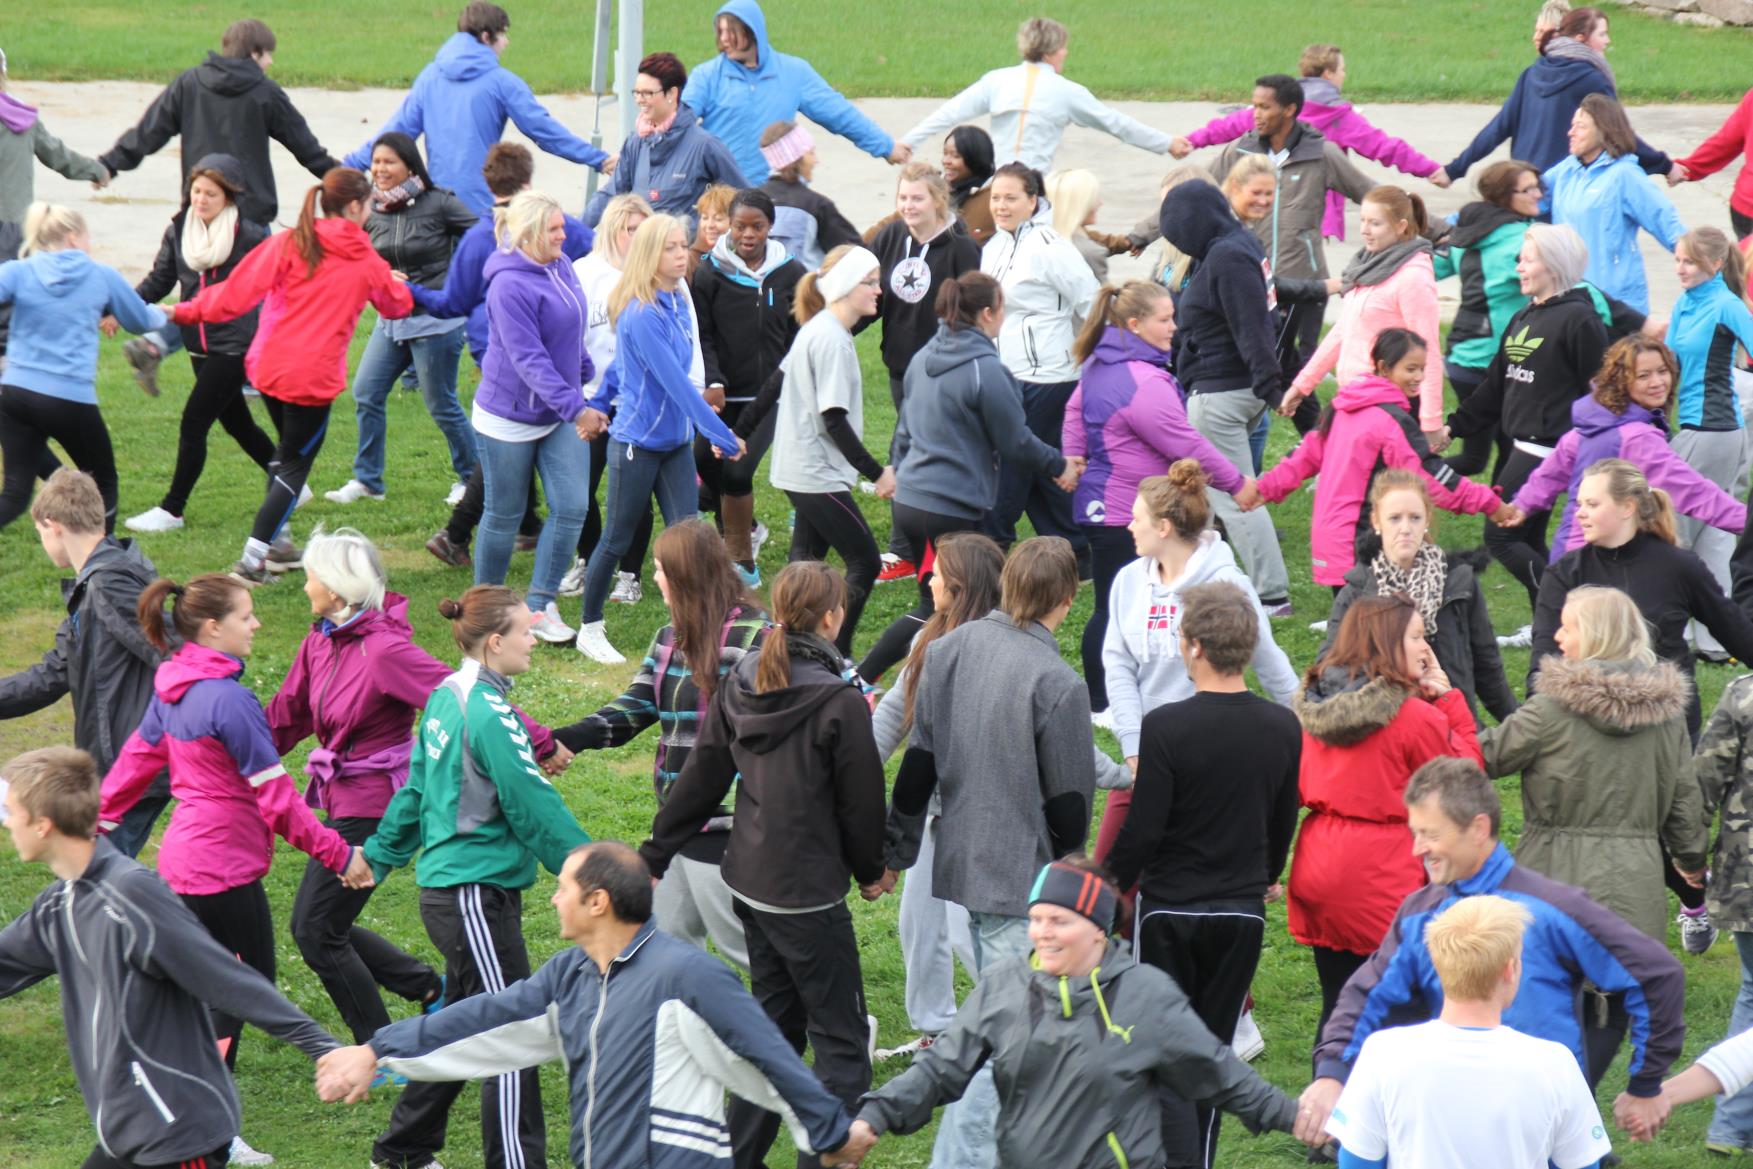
point(787, 150)
point(1084, 893)
point(843, 277)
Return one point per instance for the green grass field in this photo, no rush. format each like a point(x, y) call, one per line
point(1469, 50)
point(42, 1123)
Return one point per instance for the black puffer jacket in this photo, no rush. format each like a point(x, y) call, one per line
point(746, 325)
point(418, 237)
point(1226, 337)
point(171, 270)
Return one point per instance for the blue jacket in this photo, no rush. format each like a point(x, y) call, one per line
point(1570, 939)
point(1708, 322)
point(460, 102)
point(1606, 202)
point(537, 364)
point(57, 300)
point(650, 1049)
point(737, 103)
point(464, 293)
point(655, 404)
point(669, 170)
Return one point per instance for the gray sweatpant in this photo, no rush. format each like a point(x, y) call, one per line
point(1225, 417)
point(693, 903)
point(1721, 457)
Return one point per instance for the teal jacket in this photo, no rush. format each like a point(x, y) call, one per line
point(1709, 323)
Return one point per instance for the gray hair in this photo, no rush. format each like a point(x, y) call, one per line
point(347, 564)
point(1040, 37)
point(1462, 789)
point(1563, 252)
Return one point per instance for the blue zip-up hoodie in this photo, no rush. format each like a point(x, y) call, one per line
point(461, 102)
point(655, 403)
point(57, 300)
point(650, 1047)
point(465, 286)
point(1708, 322)
point(737, 103)
point(1606, 202)
point(537, 365)
point(669, 170)
point(1571, 939)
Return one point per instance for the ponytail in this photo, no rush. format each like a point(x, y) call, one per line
point(1711, 245)
point(210, 597)
point(804, 593)
point(1401, 206)
point(807, 300)
point(1115, 305)
point(1626, 481)
point(962, 299)
point(341, 186)
point(483, 611)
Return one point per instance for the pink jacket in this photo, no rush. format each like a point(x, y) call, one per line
point(1405, 300)
point(234, 796)
point(1370, 429)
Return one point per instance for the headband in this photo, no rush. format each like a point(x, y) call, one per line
point(794, 145)
point(844, 276)
point(1084, 893)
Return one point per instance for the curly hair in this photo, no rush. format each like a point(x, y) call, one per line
point(1619, 371)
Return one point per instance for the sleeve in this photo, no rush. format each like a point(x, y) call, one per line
point(1483, 409)
point(1355, 132)
point(1693, 495)
point(886, 721)
point(1344, 177)
point(671, 378)
point(1723, 147)
point(288, 127)
point(530, 804)
point(1243, 299)
point(1460, 738)
point(141, 759)
point(125, 304)
point(162, 121)
point(860, 805)
point(1653, 211)
point(1492, 133)
point(1064, 746)
point(822, 104)
point(162, 280)
point(707, 333)
point(1551, 478)
point(698, 791)
point(1740, 560)
point(1717, 613)
point(1730, 1061)
point(1007, 427)
point(1320, 362)
point(1393, 977)
point(721, 166)
point(1294, 468)
point(542, 127)
point(1717, 760)
point(464, 283)
point(833, 228)
point(397, 837)
point(55, 155)
point(1515, 743)
point(847, 442)
point(973, 102)
point(1204, 1069)
point(1281, 829)
point(1449, 489)
point(242, 728)
point(1222, 129)
point(480, 1036)
point(1085, 110)
point(622, 719)
point(1073, 439)
point(25, 959)
point(1578, 1138)
point(240, 292)
point(40, 685)
point(290, 718)
point(1161, 420)
point(1120, 672)
point(1685, 832)
point(939, 1075)
point(1490, 683)
point(518, 335)
point(1153, 801)
point(1271, 664)
point(1555, 585)
point(1653, 161)
point(389, 296)
point(1357, 1122)
point(756, 412)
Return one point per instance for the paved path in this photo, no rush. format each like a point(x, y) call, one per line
point(128, 218)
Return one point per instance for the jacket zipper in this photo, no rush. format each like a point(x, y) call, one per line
point(316, 709)
point(201, 286)
point(590, 1083)
point(152, 1093)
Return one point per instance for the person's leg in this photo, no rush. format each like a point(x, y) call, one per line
point(923, 530)
point(736, 485)
point(1257, 443)
point(752, 1128)
point(505, 469)
point(632, 476)
point(80, 429)
point(930, 992)
point(23, 444)
point(379, 366)
point(216, 1159)
point(1521, 549)
point(837, 521)
point(435, 362)
point(513, 1135)
point(1741, 222)
point(302, 430)
point(1111, 549)
point(1049, 508)
point(593, 516)
point(217, 395)
point(674, 487)
point(713, 905)
point(1717, 455)
point(898, 546)
point(239, 920)
point(131, 835)
point(967, 1130)
point(1224, 418)
point(563, 459)
point(464, 517)
point(1604, 1025)
point(1732, 1123)
point(1333, 968)
point(1226, 947)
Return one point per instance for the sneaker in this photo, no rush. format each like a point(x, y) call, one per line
point(572, 584)
point(436, 1005)
point(144, 356)
point(1249, 1043)
point(748, 572)
point(1279, 608)
point(1696, 932)
point(304, 497)
point(242, 1154)
point(894, 568)
point(1520, 639)
point(758, 539)
point(284, 556)
point(432, 1164)
point(352, 492)
point(388, 1080)
point(1103, 720)
point(1715, 657)
point(627, 590)
point(1318, 626)
point(456, 494)
point(441, 546)
point(593, 643)
point(870, 1043)
point(241, 572)
point(550, 628)
point(156, 520)
point(1721, 1149)
point(916, 1045)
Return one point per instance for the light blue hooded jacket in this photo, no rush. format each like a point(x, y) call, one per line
point(57, 300)
point(1606, 202)
point(737, 103)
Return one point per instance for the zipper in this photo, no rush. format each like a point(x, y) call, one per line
point(152, 1093)
point(316, 709)
point(201, 328)
point(590, 1081)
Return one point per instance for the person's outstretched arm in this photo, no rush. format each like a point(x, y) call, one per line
point(162, 121)
point(288, 127)
point(542, 127)
point(973, 102)
point(827, 107)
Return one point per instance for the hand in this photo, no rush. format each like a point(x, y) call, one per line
point(1180, 147)
point(109, 326)
point(1695, 879)
point(1313, 1109)
point(742, 449)
point(1132, 765)
point(590, 423)
point(1433, 681)
point(1439, 439)
point(358, 874)
point(1249, 497)
point(345, 1074)
point(608, 165)
point(1074, 469)
point(1292, 399)
point(100, 184)
point(859, 1142)
point(1275, 893)
point(901, 155)
point(714, 396)
point(1655, 328)
point(1441, 178)
point(399, 275)
point(1678, 174)
point(1508, 515)
point(1335, 286)
point(885, 485)
point(559, 761)
point(1641, 1116)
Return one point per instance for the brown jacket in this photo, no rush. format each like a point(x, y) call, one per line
point(1314, 166)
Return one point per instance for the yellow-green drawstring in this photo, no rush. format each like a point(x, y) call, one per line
point(1125, 1033)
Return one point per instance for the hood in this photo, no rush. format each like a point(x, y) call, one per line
point(514, 265)
point(1211, 558)
point(463, 58)
point(1478, 220)
point(1552, 76)
point(190, 664)
point(1592, 419)
point(60, 272)
point(392, 620)
point(1195, 216)
point(750, 14)
point(1063, 989)
point(1117, 345)
point(1616, 698)
point(726, 260)
point(342, 239)
point(229, 76)
point(1369, 391)
point(1319, 89)
point(228, 166)
point(949, 348)
point(15, 115)
point(119, 556)
point(1341, 708)
point(767, 722)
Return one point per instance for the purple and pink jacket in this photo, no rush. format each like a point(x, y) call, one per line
point(1639, 436)
point(234, 795)
point(1371, 430)
point(358, 687)
point(1128, 419)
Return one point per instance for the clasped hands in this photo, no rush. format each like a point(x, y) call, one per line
point(345, 1074)
point(883, 884)
point(358, 874)
point(1075, 465)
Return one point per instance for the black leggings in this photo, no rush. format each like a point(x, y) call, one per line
point(1522, 549)
point(302, 430)
point(28, 420)
point(832, 520)
point(1111, 549)
point(735, 477)
point(239, 919)
point(922, 530)
point(217, 397)
point(1334, 969)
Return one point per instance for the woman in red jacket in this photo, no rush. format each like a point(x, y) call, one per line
point(1375, 709)
point(1733, 140)
point(312, 283)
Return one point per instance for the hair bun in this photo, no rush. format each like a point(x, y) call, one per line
point(1187, 475)
point(450, 610)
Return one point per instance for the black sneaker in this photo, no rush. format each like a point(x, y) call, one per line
point(443, 547)
point(284, 556)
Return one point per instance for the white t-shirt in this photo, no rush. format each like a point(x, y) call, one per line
point(1436, 1096)
point(821, 373)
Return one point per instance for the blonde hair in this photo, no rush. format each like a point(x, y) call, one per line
point(1248, 167)
point(72, 499)
point(1626, 481)
point(1115, 305)
point(1392, 479)
point(934, 183)
point(522, 225)
point(1552, 14)
point(1073, 194)
point(1472, 941)
point(1609, 625)
point(1712, 246)
point(1319, 59)
point(807, 300)
point(57, 784)
point(616, 213)
point(1040, 37)
point(639, 267)
point(1178, 497)
point(48, 227)
point(1562, 250)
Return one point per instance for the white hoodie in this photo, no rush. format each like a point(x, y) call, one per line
point(1048, 291)
point(1141, 655)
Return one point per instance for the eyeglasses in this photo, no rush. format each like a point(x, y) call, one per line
point(870, 283)
point(1533, 190)
point(648, 93)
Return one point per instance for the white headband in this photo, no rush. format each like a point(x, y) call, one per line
point(844, 276)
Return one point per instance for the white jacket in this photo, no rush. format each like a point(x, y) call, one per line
point(1048, 290)
point(1030, 105)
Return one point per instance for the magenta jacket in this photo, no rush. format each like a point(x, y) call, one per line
point(234, 796)
point(1371, 429)
point(1127, 418)
point(358, 687)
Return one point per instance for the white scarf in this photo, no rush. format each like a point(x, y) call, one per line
point(208, 245)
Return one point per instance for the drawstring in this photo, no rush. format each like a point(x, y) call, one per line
point(1125, 1033)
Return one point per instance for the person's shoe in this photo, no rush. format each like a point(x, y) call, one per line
point(1715, 657)
point(911, 1048)
point(242, 573)
point(242, 1154)
point(758, 539)
point(572, 584)
point(441, 546)
point(550, 628)
point(284, 556)
point(894, 568)
point(1249, 1043)
point(627, 590)
point(1696, 932)
point(1102, 719)
point(1520, 639)
point(156, 520)
point(1720, 1149)
point(593, 643)
point(388, 1080)
point(748, 572)
point(352, 491)
point(1318, 626)
point(526, 543)
point(455, 495)
point(304, 497)
point(144, 356)
point(432, 1164)
point(1279, 608)
point(433, 1006)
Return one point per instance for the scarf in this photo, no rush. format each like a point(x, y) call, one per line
point(15, 115)
point(813, 647)
point(645, 127)
point(1571, 49)
point(208, 245)
point(1369, 267)
point(398, 196)
point(1423, 582)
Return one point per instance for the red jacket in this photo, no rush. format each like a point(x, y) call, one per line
point(1361, 743)
point(1734, 140)
point(299, 354)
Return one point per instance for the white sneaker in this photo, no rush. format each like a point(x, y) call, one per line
point(352, 492)
point(1520, 639)
point(572, 584)
point(593, 643)
point(627, 590)
point(1249, 1042)
point(304, 497)
point(549, 627)
point(456, 494)
point(757, 538)
point(1318, 626)
point(1103, 719)
point(870, 1046)
point(242, 1154)
point(913, 1047)
point(156, 520)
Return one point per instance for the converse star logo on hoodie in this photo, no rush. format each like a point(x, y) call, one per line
point(910, 280)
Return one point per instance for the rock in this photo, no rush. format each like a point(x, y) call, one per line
point(1696, 19)
point(1738, 12)
point(1665, 6)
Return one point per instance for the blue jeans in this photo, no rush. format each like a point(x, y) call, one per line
point(131, 835)
point(635, 475)
point(1257, 441)
point(967, 1133)
point(435, 360)
point(1733, 1122)
point(563, 461)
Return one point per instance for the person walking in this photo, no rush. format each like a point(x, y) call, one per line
point(807, 222)
point(1734, 140)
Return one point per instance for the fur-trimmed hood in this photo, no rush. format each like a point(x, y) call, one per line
point(1620, 697)
point(1342, 707)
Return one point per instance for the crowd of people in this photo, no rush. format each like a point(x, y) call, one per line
point(700, 318)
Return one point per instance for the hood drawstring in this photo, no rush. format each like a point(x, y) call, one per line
point(1125, 1033)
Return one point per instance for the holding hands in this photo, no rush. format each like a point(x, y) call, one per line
point(590, 423)
point(1074, 469)
point(358, 874)
point(1508, 515)
point(345, 1074)
point(858, 1145)
point(885, 486)
point(1249, 497)
point(559, 761)
point(1313, 1109)
point(1642, 1117)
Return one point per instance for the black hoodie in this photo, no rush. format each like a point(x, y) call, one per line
point(226, 105)
point(810, 805)
point(746, 326)
point(908, 308)
point(1226, 337)
point(170, 270)
point(1549, 351)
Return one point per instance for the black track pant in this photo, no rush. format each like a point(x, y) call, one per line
point(922, 530)
point(28, 420)
point(239, 919)
point(833, 520)
point(216, 397)
point(302, 431)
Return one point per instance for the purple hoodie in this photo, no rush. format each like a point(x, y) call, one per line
point(536, 362)
point(1128, 419)
point(15, 115)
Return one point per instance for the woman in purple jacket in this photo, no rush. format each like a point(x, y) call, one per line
point(1127, 418)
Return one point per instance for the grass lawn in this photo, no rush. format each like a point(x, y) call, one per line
point(1469, 50)
point(42, 1124)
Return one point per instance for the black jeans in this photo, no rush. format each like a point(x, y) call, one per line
point(1299, 332)
point(351, 961)
point(1604, 1025)
point(28, 420)
point(1523, 549)
point(466, 515)
point(216, 397)
point(479, 930)
point(1111, 549)
point(1334, 969)
point(1034, 493)
point(302, 430)
point(1742, 224)
point(804, 971)
point(239, 919)
point(217, 1159)
point(922, 529)
point(1475, 449)
point(833, 520)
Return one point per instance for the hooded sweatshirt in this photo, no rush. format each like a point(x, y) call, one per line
point(1606, 202)
point(669, 169)
point(234, 795)
point(24, 142)
point(1312, 170)
point(461, 102)
point(738, 102)
point(57, 300)
point(1734, 140)
point(1226, 337)
point(1482, 250)
point(1141, 654)
point(1548, 353)
point(745, 317)
point(650, 387)
point(172, 270)
point(961, 416)
point(536, 369)
point(912, 275)
point(808, 223)
point(1708, 322)
point(1048, 291)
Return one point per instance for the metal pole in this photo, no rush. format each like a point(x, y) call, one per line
point(629, 49)
point(599, 69)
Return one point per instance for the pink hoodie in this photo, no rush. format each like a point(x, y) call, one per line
point(234, 795)
point(1405, 300)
